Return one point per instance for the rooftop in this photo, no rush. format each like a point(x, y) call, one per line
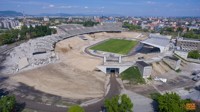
point(159, 41)
point(142, 63)
point(172, 58)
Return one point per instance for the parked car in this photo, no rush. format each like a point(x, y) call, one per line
point(140, 57)
point(196, 78)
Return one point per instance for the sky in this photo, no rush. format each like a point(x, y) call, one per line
point(119, 7)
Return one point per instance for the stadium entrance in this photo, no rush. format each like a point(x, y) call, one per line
point(112, 70)
point(148, 49)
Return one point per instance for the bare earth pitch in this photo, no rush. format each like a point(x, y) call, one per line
point(74, 75)
point(119, 46)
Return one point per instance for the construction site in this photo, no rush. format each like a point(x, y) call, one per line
point(63, 70)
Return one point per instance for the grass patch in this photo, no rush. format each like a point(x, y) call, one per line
point(194, 54)
point(149, 78)
point(179, 70)
point(155, 95)
point(133, 75)
point(116, 46)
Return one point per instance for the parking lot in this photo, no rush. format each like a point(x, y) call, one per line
point(175, 81)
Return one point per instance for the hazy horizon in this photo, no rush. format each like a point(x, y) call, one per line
point(102, 7)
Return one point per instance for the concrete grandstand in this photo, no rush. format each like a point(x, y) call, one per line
point(69, 61)
point(158, 41)
point(40, 51)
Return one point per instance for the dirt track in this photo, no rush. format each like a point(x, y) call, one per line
point(73, 76)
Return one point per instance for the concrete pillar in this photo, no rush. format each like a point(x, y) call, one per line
point(120, 59)
point(104, 59)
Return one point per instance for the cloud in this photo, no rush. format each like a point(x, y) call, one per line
point(19, 2)
point(51, 5)
point(151, 2)
point(65, 7)
point(86, 7)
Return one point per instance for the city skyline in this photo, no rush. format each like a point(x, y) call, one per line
point(117, 7)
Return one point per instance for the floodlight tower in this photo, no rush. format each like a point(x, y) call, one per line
point(24, 18)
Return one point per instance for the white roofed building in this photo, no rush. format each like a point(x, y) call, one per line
point(159, 41)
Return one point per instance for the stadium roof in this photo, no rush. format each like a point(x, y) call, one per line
point(157, 41)
point(142, 63)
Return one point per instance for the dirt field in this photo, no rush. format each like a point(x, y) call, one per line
point(135, 35)
point(73, 76)
point(60, 79)
point(71, 52)
point(158, 68)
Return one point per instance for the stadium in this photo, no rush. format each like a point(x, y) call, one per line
point(74, 66)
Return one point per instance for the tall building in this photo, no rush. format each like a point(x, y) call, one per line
point(8, 24)
point(46, 19)
point(1, 26)
point(5, 24)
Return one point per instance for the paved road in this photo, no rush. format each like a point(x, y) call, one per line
point(114, 90)
point(96, 107)
point(40, 107)
point(141, 103)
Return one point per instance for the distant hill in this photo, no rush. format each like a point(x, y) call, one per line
point(78, 14)
point(10, 13)
point(15, 13)
point(55, 14)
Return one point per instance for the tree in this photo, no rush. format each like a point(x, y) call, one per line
point(170, 102)
point(179, 29)
point(118, 103)
point(7, 103)
point(169, 29)
point(126, 104)
point(194, 54)
point(76, 108)
point(12, 35)
point(131, 26)
point(89, 23)
point(192, 34)
point(112, 104)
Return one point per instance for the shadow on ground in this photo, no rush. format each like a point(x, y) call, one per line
point(155, 106)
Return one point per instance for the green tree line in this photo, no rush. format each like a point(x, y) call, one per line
point(15, 35)
point(86, 23)
point(194, 34)
point(171, 31)
point(131, 26)
point(172, 102)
